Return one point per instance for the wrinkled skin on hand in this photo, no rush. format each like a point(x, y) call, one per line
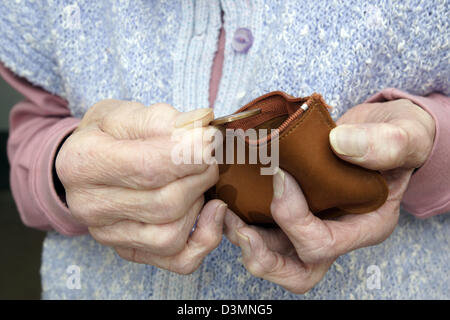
point(121, 182)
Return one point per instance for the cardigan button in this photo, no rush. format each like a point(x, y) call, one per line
point(242, 40)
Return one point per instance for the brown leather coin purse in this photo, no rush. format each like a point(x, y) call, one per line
point(332, 186)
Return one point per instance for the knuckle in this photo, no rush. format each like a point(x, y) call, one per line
point(167, 243)
point(94, 108)
point(122, 110)
point(159, 115)
point(83, 208)
point(330, 241)
point(212, 241)
point(185, 267)
point(129, 106)
point(280, 214)
point(403, 101)
point(170, 203)
point(417, 142)
point(397, 135)
point(162, 107)
point(102, 104)
point(150, 169)
point(98, 110)
point(396, 150)
point(85, 151)
point(420, 142)
point(255, 268)
point(100, 236)
point(400, 139)
point(108, 122)
point(265, 264)
point(207, 243)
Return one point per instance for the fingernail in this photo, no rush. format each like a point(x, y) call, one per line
point(244, 243)
point(278, 183)
point(220, 213)
point(349, 140)
point(186, 119)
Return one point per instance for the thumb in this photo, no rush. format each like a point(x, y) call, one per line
point(377, 146)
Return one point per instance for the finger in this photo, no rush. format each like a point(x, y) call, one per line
point(288, 271)
point(97, 112)
point(275, 239)
point(205, 238)
point(137, 164)
point(163, 239)
point(133, 120)
point(382, 146)
point(158, 206)
point(319, 240)
point(289, 209)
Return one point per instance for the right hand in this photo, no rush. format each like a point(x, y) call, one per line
point(121, 182)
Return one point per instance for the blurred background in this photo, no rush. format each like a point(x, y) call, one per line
point(20, 246)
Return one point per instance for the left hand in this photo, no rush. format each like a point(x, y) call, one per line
point(394, 137)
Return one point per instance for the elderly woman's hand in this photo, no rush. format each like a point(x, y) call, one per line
point(121, 181)
point(393, 137)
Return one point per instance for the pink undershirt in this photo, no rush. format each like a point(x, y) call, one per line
point(39, 124)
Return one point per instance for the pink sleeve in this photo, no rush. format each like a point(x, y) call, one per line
point(428, 192)
point(38, 125)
